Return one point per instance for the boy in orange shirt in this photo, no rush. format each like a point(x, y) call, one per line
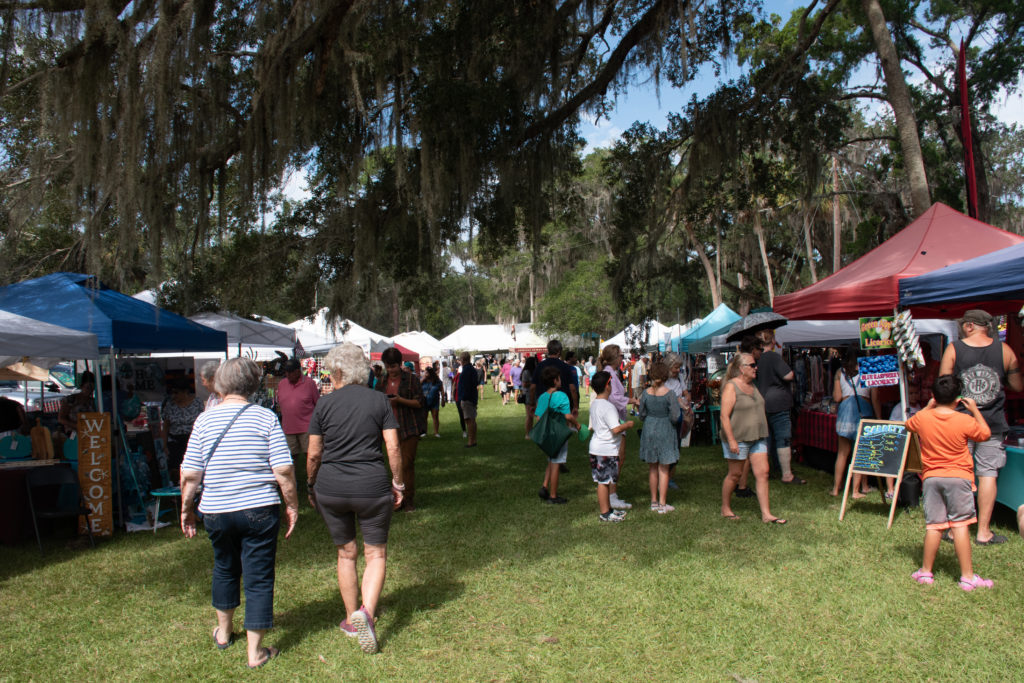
point(948, 474)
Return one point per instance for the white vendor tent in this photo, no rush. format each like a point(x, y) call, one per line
point(479, 338)
point(633, 336)
point(420, 342)
point(319, 336)
point(43, 344)
point(527, 340)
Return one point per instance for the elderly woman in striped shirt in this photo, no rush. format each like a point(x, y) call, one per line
point(238, 453)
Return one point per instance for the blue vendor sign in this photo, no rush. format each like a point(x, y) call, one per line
point(878, 371)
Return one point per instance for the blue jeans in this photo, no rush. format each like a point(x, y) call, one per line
point(245, 542)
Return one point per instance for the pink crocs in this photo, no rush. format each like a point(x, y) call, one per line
point(923, 577)
point(974, 582)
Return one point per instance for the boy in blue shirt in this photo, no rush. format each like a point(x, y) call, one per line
point(557, 401)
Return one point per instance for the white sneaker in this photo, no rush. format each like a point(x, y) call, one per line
point(618, 503)
point(437, 436)
point(464, 435)
point(612, 516)
point(666, 508)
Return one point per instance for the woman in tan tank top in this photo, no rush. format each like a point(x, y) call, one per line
point(744, 434)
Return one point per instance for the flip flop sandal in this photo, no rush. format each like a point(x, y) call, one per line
point(732, 518)
point(270, 652)
point(923, 577)
point(220, 645)
point(777, 520)
point(796, 481)
point(995, 540)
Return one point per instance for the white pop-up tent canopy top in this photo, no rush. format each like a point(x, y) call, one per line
point(478, 338)
point(42, 343)
point(647, 335)
point(421, 342)
point(319, 335)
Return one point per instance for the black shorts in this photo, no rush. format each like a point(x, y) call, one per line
point(341, 512)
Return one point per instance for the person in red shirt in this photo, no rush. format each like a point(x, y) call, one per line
point(297, 395)
point(948, 474)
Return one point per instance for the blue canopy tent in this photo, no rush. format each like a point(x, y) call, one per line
point(698, 340)
point(993, 281)
point(121, 324)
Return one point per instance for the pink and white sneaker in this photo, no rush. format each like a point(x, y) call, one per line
point(348, 629)
point(365, 631)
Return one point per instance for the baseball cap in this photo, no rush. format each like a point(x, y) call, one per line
point(291, 365)
point(977, 317)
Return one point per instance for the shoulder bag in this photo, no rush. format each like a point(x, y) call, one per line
point(551, 432)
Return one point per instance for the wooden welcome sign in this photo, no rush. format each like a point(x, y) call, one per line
point(880, 450)
point(94, 472)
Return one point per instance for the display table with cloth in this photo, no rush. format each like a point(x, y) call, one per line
point(14, 511)
point(1011, 479)
point(815, 429)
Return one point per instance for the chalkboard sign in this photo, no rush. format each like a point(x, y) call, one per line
point(881, 450)
point(880, 447)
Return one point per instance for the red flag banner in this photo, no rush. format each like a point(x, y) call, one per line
point(965, 134)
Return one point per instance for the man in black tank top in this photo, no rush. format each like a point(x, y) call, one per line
point(985, 365)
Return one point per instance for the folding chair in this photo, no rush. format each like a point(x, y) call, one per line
point(53, 492)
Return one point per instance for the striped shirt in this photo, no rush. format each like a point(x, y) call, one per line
point(240, 474)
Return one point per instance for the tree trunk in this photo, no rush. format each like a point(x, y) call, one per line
point(716, 292)
point(395, 318)
point(899, 99)
point(981, 177)
point(759, 231)
point(718, 264)
point(837, 226)
point(807, 242)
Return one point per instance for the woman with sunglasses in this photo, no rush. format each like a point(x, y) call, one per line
point(744, 434)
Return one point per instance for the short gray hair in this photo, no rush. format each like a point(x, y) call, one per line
point(239, 376)
point(209, 369)
point(347, 364)
point(672, 358)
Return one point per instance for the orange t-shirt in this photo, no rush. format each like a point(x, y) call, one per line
point(944, 439)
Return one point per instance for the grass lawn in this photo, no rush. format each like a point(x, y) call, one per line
point(487, 583)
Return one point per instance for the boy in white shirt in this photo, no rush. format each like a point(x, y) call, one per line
point(604, 445)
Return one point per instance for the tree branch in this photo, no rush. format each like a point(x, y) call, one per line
point(942, 38)
point(607, 74)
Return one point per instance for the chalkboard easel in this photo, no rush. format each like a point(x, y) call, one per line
point(880, 451)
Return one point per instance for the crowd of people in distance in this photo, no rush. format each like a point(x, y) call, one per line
point(244, 457)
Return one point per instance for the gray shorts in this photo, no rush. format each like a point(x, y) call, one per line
point(948, 502)
point(989, 456)
point(468, 410)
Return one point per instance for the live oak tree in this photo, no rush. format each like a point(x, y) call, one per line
point(149, 113)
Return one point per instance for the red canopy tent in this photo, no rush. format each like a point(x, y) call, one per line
point(870, 285)
point(406, 354)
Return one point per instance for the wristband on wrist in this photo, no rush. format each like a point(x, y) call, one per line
point(396, 486)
